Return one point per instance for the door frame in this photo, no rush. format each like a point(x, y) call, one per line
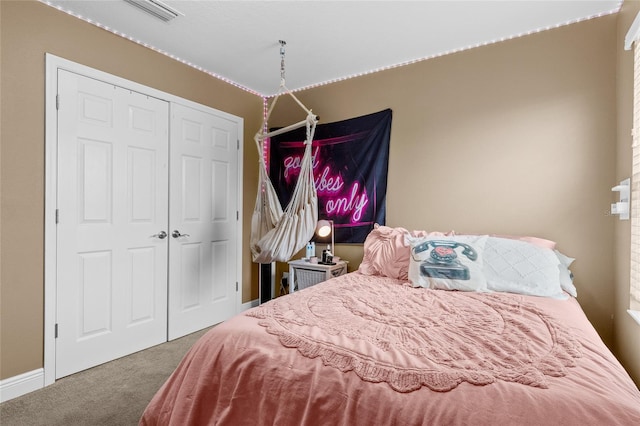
point(52, 64)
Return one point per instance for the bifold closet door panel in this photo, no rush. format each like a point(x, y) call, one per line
point(112, 209)
point(203, 219)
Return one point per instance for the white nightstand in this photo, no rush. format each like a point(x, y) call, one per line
point(303, 274)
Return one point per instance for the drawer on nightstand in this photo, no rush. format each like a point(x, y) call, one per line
point(307, 277)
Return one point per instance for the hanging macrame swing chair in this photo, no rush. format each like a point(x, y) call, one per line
point(277, 234)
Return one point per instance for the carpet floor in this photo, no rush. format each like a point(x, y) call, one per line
point(115, 393)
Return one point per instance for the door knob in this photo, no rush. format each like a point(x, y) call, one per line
point(177, 234)
point(162, 235)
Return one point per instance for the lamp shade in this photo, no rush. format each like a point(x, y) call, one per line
point(323, 228)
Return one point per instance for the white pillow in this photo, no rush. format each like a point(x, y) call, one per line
point(520, 267)
point(566, 277)
point(448, 263)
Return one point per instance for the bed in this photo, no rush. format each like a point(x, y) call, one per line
point(390, 344)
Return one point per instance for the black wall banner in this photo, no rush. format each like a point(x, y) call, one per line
point(350, 163)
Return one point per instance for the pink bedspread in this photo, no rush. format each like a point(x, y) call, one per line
point(362, 350)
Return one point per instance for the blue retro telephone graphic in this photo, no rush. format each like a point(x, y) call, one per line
point(443, 260)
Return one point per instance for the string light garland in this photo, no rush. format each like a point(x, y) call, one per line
point(460, 49)
point(267, 141)
point(335, 80)
point(148, 46)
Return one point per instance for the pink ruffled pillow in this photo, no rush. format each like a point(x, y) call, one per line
point(536, 241)
point(386, 252)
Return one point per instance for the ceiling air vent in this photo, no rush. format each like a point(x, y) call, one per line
point(156, 8)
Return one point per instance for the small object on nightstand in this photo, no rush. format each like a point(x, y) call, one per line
point(311, 250)
point(327, 257)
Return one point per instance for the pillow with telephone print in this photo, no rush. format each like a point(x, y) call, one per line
point(448, 263)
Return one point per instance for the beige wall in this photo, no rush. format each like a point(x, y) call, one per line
point(517, 137)
point(28, 30)
point(627, 331)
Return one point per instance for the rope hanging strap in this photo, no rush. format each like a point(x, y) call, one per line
point(277, 234)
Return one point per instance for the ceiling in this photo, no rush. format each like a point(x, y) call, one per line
point(326, 41)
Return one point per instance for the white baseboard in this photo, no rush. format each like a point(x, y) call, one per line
point(21, 384)
point(251, 304)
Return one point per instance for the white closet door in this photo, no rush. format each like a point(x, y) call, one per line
point(202, 268)
point(112, 198)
